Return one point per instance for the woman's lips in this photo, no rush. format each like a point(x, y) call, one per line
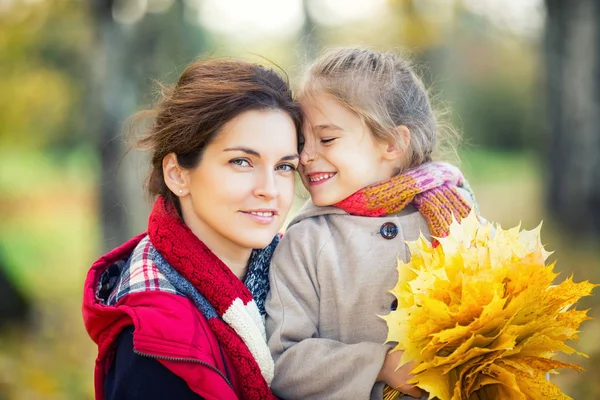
point(264, 217)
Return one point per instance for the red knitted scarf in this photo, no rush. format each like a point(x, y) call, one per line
point(432, 188)
point(195, 262)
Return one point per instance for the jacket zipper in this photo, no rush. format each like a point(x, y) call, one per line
point(185, 360)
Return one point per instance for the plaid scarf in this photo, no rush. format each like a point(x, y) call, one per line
point(234, 313)
point(432, 188)
point(137, 274)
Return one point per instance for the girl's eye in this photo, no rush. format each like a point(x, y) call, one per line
point(240, 162)
point(327, 140)
point(286, 167)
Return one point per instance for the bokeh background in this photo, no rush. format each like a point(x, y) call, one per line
point(521, 78)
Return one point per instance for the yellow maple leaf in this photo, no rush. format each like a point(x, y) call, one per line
point(480, 316)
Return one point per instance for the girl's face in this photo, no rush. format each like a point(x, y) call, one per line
point(238, 196)
point(340, 155)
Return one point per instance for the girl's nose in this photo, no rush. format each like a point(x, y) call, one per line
point(307, 155)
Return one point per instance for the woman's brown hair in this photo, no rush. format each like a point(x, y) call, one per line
point(209, 94)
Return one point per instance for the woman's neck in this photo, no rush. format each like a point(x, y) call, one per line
point(238, 267)
point(234, 256)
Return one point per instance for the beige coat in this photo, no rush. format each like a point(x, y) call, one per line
point(330, 278)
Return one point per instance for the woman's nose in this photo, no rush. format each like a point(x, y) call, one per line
point(266, 187)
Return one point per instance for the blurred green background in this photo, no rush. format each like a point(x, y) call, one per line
point(519, 76)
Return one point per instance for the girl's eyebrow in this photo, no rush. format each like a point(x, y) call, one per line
point(327, 126)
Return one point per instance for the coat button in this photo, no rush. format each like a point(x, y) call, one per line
point(389, 230)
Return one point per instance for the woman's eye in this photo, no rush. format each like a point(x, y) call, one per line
point(327, 140)
point(240, 162)
point(286, 167)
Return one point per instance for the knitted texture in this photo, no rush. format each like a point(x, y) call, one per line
point(432, 188)
point(236, 321)
point(257, 277)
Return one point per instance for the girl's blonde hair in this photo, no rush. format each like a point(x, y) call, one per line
point(383, 90)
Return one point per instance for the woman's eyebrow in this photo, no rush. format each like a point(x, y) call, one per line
point(257, 154)
point(245, 150)
point(291, 157)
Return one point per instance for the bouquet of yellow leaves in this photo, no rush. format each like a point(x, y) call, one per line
point(480, 317)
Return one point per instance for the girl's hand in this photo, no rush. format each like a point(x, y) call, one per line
point(398, 378)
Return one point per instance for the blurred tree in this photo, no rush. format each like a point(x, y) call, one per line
point(420, 26)
point(573, 112)
point(14, 306)
point(127, 54)
point(42, 50)
point(309, 34)
point(498, 114)
point(110, 105)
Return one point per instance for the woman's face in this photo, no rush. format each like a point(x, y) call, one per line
point(241, 191)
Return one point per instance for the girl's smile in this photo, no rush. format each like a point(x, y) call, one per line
point(318, 178)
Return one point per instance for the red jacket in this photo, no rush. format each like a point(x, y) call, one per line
point(168, 327)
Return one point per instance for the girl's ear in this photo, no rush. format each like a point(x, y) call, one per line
point(396, 149)
point(176, 178)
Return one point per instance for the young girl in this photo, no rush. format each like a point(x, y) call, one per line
point(367, 162)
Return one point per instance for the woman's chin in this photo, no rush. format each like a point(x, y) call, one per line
point(257, 240)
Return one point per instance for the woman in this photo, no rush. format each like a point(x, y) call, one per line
point(178, 312)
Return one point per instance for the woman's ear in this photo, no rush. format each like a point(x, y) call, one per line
point(396, 149)
point(176, 178)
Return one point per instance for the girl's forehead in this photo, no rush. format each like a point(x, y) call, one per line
point(317, 98)
point(323, 106)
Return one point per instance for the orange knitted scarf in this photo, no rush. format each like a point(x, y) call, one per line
point(433, 188)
